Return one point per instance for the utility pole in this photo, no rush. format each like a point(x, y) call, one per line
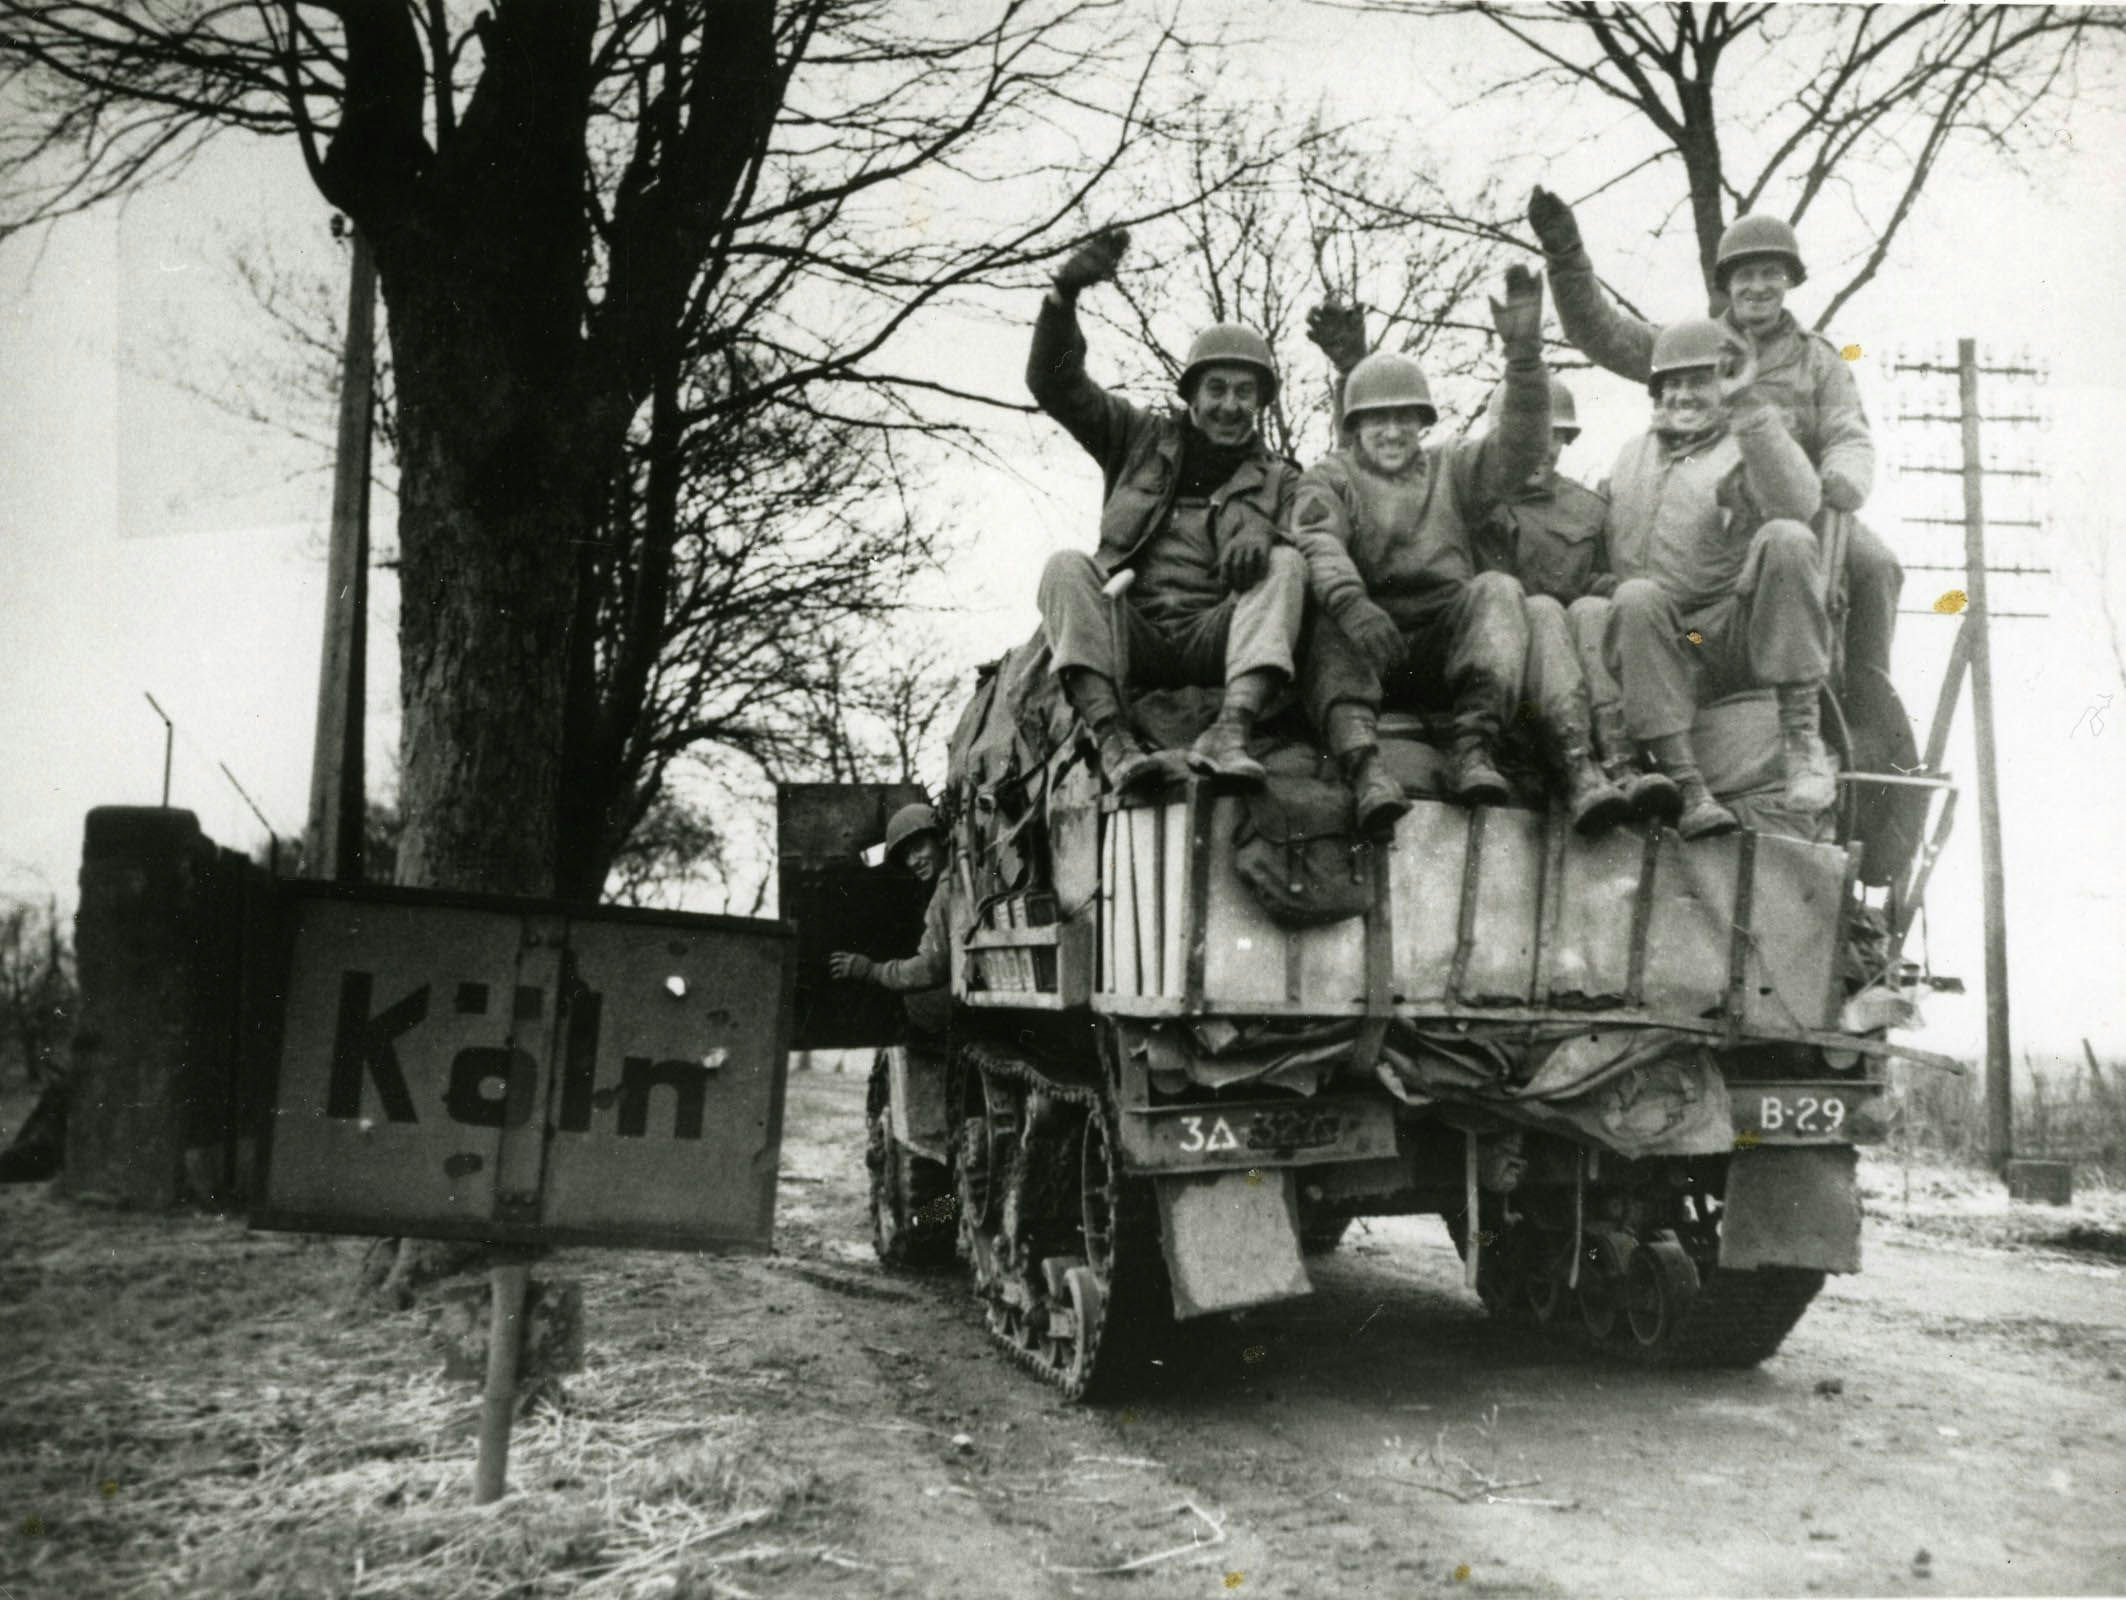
point(2000, 1102)
point(1972, 653)
point(333, 840)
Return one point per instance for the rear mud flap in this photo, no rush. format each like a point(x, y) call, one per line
point(1792, 1206)
point(1231, 1240)
point(919, 1117)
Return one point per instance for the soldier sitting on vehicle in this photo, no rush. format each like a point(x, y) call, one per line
point(1389, 528)
point(915, 839)
point(1719, 581)
point(1550, 533)
point(1193, 502)
point(1800, 373)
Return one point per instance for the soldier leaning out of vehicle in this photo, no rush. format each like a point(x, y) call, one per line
point(1800, 373)
point(1193, 502)
point(915, 839)
point(1388, 526)
point(1718, 571)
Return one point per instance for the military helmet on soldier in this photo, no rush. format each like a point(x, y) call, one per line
point(1564, 415)
point(1758, 235)
point(908, 824)
point(1229, 344)
point(1693, 342)
point(1385, 381)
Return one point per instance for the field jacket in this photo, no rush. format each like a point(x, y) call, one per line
point(1551, 536)
point(1684, 515)
point(1139, 452)
point(931, 965)
point(1799, 371)
point(1364, 533)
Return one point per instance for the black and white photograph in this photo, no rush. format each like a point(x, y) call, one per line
point(1153, 799)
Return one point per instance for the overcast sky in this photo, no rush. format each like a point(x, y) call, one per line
point(151, 542)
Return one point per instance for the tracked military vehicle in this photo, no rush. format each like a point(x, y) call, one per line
point(1196, 1034)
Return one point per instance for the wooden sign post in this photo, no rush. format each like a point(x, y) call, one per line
point(524, 1074)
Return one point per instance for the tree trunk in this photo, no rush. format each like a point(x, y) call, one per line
point(481, 260)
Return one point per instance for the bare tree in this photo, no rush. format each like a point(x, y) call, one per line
point(569, 201)
point(1859, 102)
point(1332, 217)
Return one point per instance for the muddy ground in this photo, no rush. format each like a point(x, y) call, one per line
point(187, 1409)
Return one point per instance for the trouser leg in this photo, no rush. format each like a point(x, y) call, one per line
point(1075, 615)
point(1551, 682)
point(1875, 582)
point(1647, 651)
point(1648, 793)
point(1588, 620)
point(1332, 672)
point(1486, 656)
point(1264, 623)
point(1789, 637)
point(1789, 631)
point(1260, 626)
point(1551, 678)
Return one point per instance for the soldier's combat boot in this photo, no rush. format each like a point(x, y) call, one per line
point(1221, 750)
point(1594, 803)
point(1811, 781)
point(1473, 777)
point(1124, 761)
point(1652, 796)
point(1703, 817)
point(1354, 738)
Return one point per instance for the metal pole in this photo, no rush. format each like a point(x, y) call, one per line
point(334, 836)
point(2000, 1104)
point(490, 1473)
point(169, 735)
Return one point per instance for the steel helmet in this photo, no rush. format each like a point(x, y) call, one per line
point(906, 824)
point(1229, 344)
point(1563, 414)
point(1694, 342)
point(1385, 380)
point(1758, 235)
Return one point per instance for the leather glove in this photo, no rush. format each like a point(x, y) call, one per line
point(1339, 331)
point(1246, 558)
point(1553, 222)
point(1839, 491)
point(848, 964)
point(1092, 262)
point(1519, 317)
point(1378, 639)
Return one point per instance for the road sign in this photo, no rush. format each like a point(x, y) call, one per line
point(523, 1072)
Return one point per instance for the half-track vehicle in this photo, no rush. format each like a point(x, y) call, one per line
point(1196, 1034)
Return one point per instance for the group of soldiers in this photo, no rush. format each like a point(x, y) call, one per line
point(1470, 577)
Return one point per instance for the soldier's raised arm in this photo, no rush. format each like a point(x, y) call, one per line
point(1055, 366)
point(1519, 447)
point(1593, 323)
point(1776, 471)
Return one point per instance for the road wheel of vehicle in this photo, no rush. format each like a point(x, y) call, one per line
point(1659, 1286)
point(1605, 1257)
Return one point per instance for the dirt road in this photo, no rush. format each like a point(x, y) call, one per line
point(1953, 1421)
